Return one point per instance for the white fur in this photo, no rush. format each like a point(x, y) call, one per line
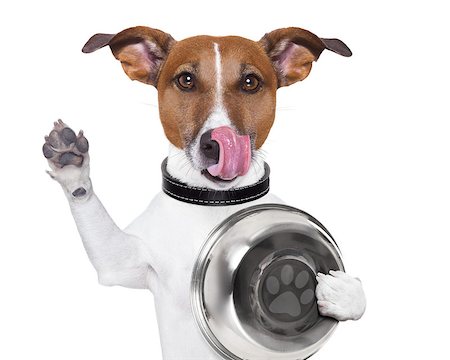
point(180, 167)
point(218, 63)
point(340, 296)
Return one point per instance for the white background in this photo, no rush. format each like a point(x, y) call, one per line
point(362, 144)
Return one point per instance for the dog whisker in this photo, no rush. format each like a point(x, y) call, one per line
point(149, 104)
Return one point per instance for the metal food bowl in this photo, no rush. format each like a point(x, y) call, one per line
point(253, 285)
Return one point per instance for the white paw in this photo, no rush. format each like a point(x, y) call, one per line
point(67, 155)
point(340, 296)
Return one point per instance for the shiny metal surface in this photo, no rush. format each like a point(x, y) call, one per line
point(253, 284)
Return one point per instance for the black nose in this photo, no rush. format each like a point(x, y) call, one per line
point(208, 147)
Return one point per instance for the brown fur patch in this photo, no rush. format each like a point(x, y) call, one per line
point(141, 51)
point(183, 113)
point(252, 113)
point(292, 51)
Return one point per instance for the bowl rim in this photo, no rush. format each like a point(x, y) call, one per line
point(201, 267)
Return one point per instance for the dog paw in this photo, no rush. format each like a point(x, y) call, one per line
point(340, 296)
point(62, 147)
point(67, 155)
point(290, 292)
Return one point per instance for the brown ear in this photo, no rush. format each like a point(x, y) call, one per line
point(293, 50)
point(141, 51)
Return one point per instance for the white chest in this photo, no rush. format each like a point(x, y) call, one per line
point(173, 233)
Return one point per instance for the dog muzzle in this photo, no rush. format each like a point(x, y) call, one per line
point(253, 284)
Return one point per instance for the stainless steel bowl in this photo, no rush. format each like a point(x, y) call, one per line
point(253, 284)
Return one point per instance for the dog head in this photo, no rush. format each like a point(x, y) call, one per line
point(217, 95)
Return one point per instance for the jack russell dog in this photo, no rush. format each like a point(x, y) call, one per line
point(217, 105)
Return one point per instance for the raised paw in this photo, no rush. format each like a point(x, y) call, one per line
point(67, 155)
point(340, 296)
point(62, 147)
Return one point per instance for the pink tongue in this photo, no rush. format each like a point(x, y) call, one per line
point(234, 153)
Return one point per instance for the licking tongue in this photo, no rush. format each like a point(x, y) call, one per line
point(234, 153)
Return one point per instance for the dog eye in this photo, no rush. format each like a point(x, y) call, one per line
point(250, 83)
point(185, 81)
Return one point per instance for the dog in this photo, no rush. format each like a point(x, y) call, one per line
point(217, 99)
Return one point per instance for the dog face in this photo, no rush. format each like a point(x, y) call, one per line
point(229, 77)
point(227, 84)
point(217, 95)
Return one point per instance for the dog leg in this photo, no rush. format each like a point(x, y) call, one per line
point(340, 296)
point(118, 257)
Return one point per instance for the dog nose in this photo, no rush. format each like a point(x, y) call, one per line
point(209, 147)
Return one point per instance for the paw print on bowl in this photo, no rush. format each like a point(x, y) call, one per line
point(286, 300)
point(289, 294)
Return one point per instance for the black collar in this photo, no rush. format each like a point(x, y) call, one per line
point(211, 197)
